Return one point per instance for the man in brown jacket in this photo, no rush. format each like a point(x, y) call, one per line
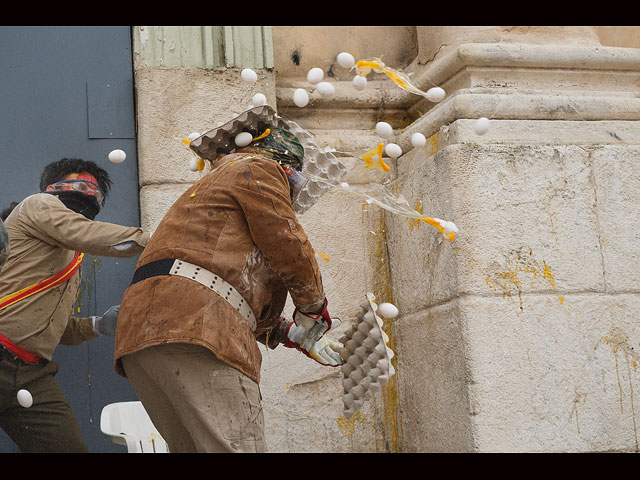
point(49, 233)
point(213, 279)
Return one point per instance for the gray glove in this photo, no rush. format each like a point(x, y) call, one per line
point(106, 324)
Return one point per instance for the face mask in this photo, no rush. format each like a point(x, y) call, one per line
point(297, 181)
point(86, 205)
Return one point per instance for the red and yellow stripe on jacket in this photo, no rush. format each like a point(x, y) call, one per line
point(50, 282)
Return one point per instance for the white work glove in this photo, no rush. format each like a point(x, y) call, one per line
point(323, 351)
point(316, 324)
point(106, 324)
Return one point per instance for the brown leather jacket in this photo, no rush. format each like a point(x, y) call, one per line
point(45, 236)
point(237, 222)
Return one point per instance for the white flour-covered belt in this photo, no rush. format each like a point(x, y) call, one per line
point(214, 282)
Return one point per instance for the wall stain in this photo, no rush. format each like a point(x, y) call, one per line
point(382, 289)
point(580, 397)
point(415, 222)
point(348, 425)
point(618, 340)
point(509, 281)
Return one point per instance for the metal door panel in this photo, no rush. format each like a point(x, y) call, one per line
point(55, 103)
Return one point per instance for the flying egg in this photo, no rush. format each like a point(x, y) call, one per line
point(388, 310)
point(359, 82)
point(393, 150)
point(345, 60)
point(482, 126)
point(117, 156)
point(24, 398)
point(300, 97)
point(383, 129)
point(315, 75)
point(249, 75)
point(325, 89)
point(259, 99)
point(435, 94)
point(243, 139)
point(418, 140)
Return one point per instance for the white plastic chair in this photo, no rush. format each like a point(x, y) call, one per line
point(127, 423)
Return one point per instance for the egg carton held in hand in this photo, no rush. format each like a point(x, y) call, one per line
point(320, 165)
point(367, 358)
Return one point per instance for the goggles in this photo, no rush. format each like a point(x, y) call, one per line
point(84, 186)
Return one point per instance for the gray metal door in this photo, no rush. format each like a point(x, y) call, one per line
point(68, 92)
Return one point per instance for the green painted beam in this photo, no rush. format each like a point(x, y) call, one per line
point(204, 46)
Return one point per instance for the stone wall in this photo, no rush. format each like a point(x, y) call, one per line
point(519, 335)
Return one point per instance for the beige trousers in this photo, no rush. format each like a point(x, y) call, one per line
point(198, 403)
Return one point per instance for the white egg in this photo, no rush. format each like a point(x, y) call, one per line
point(393, 150)
point(344, 185)
point(359, 82)
point(383, 129)
point(193, 135)
point(243, 139)
point(24, 398)
point(435, 94)
point(418, 140)
point(249, 75)
point(259, 99)
point(315, 75)
point(388, 310)
point(482, 126)
point(325, 89)
point(196, 164)
point(345, 60)
point(300, 97)
point(117, 156)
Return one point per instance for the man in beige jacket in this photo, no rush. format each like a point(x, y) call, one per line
point(49, 232)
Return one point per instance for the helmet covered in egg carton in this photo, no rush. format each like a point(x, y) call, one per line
point(319, 164)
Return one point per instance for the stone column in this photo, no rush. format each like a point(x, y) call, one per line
point(521, 335)
point(188, 79)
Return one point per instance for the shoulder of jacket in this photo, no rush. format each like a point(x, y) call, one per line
point(42, 198)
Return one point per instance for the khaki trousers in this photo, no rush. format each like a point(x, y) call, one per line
point(198, 403)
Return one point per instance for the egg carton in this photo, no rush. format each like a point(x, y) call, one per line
point(367, 358)
point(320, 165)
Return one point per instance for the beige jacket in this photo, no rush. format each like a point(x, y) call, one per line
point(237, 222)
point(45, 236)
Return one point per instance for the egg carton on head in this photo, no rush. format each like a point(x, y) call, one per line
point(321, 166)
point(367, 358)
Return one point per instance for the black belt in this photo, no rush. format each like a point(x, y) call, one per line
point(6, 354)
point(153, 269)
